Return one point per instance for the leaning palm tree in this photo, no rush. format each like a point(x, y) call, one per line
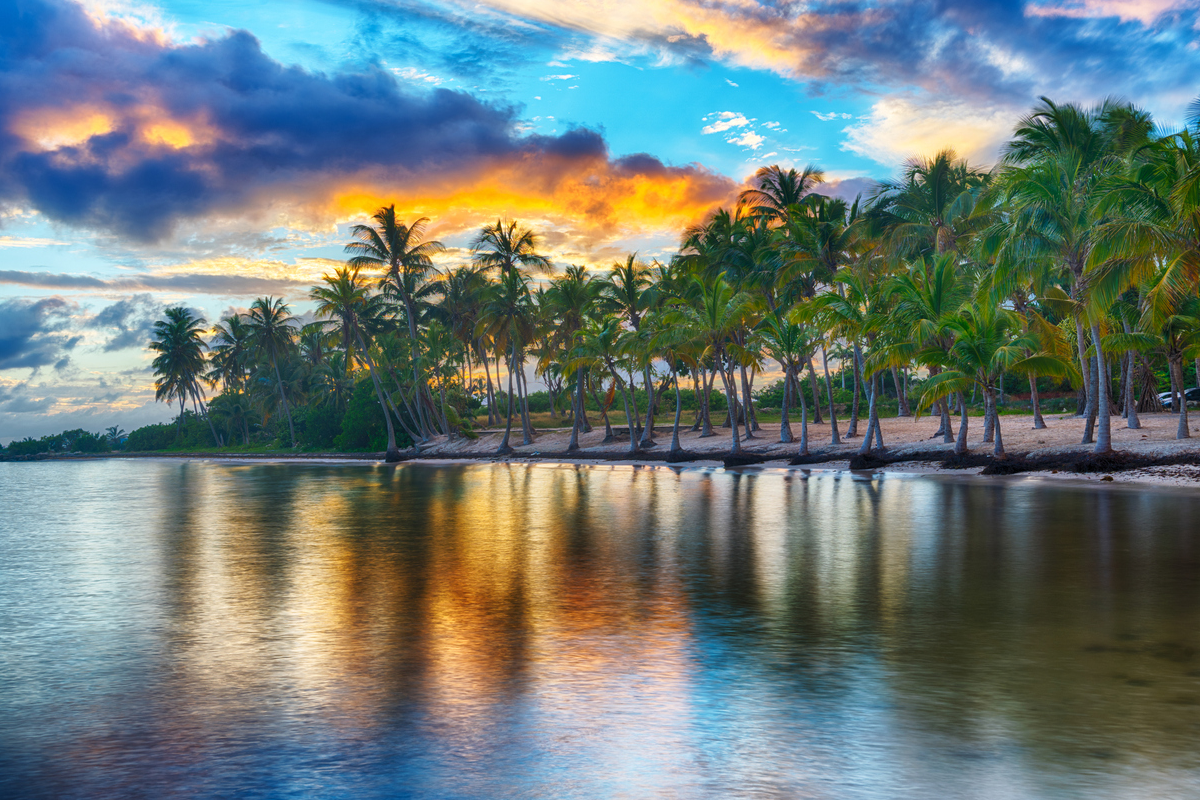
point(404, 258)
point(273, 335)
point(347, 299)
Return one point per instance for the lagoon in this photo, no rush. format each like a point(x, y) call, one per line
point(290, 630)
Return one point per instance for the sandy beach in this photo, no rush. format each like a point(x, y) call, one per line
point(909, 446)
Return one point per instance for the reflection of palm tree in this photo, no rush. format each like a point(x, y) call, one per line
point(273, 336)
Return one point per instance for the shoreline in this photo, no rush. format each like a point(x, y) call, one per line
point(1180, 470)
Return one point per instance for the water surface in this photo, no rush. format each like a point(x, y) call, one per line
point(199, 629)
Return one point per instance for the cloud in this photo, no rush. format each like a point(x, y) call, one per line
point(826, 117)
point(747, 139)
point(557, 77)
point(899, 127)
point(109, 127)
point(731, 83)
point(996, 50)
point(725, 121)
point(1146, 12)
point(33, 335)
point(133, 320)
point(189, 283)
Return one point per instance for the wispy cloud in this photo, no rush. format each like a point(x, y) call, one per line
point(724, 121)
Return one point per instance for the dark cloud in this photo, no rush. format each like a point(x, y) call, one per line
point(16, 399)
point(199, 283)
point(242, 129)
point(33, 333)
point(133, 319)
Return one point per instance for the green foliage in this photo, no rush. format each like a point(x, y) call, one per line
point(322, 424)
point(362, 428)
point(73, 441)
point(195, 435)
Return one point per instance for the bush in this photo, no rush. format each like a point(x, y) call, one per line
point(363, 428)
point(195, 435)
point(322, 425)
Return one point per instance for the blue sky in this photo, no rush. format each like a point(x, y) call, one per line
point(205, 153)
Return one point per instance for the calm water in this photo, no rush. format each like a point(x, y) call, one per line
point(191, 629)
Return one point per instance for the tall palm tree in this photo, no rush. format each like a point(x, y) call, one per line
point(572, 299)
point(178, 341)
point(273, 334)
point(1053, 175)
point(347, 299)
point(404, 259)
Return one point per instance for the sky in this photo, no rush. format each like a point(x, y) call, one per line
point(206, 153)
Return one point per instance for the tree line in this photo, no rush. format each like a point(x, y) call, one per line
point(1076, 258)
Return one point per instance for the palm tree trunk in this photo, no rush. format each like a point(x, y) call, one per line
point(1085, 370)
point(872, 395)
point(856, 379)
point(1104, 386)
point(577, 422)
point(749, 405)
point(812, 384)
point(1089, 427)
point(1035, 401)
point(1176, 366)
point(706, 428)
point(785, 424)
point(648, 432)
point(730, 398)
point(998, 450)
point(630, 417)
point(835, 439)
point(746, 403)
point(804, 422)
point(393, 453)
point(505, 448)
point(523, 395)
point(989, 423)
point(960, 446)
point(675, 448)
point(1130, 399)
point(283, 397)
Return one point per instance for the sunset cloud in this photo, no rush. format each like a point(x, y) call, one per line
point(107, 128)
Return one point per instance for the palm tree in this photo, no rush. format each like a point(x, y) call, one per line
point(273, 335)
point(776, 190)
point(507, 246)
point(347, 299)
point(1054, 171)
point(988, 342)
point(714, 313)
point(404, 258)
point(629, 291)
point(572, 299)
point(178, 341)
point(507, 318)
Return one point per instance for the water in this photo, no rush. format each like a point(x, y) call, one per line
point(192, 629)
